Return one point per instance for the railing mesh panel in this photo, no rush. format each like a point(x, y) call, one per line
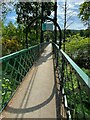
point(14, 68)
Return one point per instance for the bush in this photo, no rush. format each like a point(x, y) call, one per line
point(79, 49)
point(9, 46)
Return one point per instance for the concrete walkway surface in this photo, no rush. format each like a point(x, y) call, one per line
point(35, 97)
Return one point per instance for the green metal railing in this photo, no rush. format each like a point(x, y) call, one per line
point(13, 69)
point(75, 86)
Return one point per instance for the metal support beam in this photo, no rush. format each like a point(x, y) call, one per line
point(26, 38)
point(55, 18)
point(47, 18)
point(65, 25)
point(36, 22)
point(42, 10)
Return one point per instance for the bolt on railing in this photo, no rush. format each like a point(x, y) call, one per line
point(13, 69)
point(75, 85)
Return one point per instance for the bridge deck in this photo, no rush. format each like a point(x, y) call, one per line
point(35, 97)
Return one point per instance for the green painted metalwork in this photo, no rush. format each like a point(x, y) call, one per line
point(85, 78)
point(75, 86)
point(14, 68)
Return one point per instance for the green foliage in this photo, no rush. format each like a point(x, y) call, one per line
point(69, 33)
point(9, 31)
point(85, 33)
point(26, 11)
point(14, 38)
point(49, 35)
point(32, 38)
point(11, 41)
point(75, 94)
point(77, 98)
point(87, 71)
point(9, 46)
point(6, 85)
point(79, 49)
point(85, 12)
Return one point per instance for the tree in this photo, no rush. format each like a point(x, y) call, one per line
point(49, 36)
point(84, 12)
point(26, 11)
point(10, 39)
point(79, 49)
point(10, 31)
point(5, 7)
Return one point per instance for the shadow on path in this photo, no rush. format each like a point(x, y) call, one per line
point(44, 58)
point(31, 109)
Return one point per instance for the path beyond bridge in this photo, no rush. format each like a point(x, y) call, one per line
point(35, 97)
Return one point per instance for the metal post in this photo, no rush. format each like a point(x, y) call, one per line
point(42, 10)
point(36, 22)
point(65, 25)
point(55, 18)
point(26, 38)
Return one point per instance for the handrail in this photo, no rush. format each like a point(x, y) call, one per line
point(14, 67)
point(75, 85)
point(4, 58)
point(15, 53)
point(79, 71)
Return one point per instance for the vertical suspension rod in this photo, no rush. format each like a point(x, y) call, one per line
point(55, 18)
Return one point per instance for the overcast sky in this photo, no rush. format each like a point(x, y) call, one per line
point(73, 9)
